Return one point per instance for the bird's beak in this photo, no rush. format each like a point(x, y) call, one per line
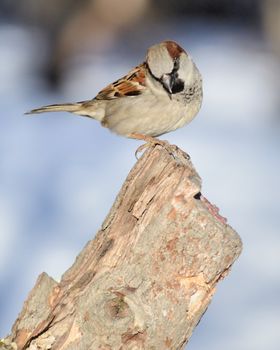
point(167, 82)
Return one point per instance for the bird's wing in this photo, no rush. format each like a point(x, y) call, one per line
point(132, 84)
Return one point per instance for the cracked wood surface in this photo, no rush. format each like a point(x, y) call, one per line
point(147, 277)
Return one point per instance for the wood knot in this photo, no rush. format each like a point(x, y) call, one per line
point(118, 308)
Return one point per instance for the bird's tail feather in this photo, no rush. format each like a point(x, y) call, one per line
point(65, 107)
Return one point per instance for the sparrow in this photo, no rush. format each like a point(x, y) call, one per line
point(158, 96)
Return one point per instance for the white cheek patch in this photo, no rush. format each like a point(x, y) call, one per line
point(159, 61)
point(186, 69)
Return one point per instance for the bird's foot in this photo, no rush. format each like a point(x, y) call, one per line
point(153, 141)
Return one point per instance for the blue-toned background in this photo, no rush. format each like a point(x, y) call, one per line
point(59, 174)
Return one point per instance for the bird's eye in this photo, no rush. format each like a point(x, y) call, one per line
point(176, 64)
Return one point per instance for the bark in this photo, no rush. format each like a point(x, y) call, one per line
point(147, 277)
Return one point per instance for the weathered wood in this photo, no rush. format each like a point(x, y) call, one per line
point(147, 277)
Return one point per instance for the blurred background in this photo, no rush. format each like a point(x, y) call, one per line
point(59, 174)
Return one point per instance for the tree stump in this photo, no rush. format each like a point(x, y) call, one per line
point(147, 277)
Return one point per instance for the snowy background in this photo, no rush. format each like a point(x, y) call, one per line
point(59, 174)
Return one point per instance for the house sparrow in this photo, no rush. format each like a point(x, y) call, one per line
point(160, 95)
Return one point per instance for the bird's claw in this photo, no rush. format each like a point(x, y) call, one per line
point(153, 141)
point(171, 149)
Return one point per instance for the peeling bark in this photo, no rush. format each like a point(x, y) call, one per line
point(147, 277)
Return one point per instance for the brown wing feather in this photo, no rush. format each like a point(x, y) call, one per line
point(130, 85)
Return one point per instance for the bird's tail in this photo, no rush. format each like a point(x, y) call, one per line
point(65, 107)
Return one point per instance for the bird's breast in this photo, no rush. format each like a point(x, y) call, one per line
point(148, 114)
